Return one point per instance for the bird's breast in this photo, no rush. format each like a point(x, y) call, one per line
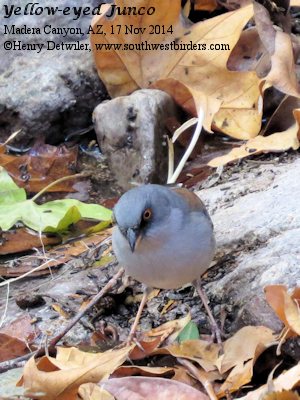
point(167, 258)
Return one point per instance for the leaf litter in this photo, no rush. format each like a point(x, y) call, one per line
point(228, 85)
point(111, 372)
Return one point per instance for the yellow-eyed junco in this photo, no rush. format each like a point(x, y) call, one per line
point(164, 238)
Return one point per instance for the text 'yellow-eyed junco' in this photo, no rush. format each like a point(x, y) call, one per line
point(164, 238)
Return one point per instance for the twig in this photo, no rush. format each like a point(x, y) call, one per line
point(64, 178)
point(11, 137)
point(190, 147)
point(197, 374)
point(5, 309)
point(26, 273)
point(6, 365)
point(110, 284)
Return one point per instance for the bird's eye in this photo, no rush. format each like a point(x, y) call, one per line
point(147, 214)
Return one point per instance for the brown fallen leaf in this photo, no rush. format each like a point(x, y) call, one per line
point(283, 117)
point(285, 381)
point(130, 370)
point(285, 305)
point(59, 378)
point(58, 308)
point(249, 54)
point(90, 391)
point(194, 78)
point(240, 354)
point(278, 44)
point(42, 165)
point(145, 388)
point(283, 395)
point(279, 141)
point(94, 392)
point(16, 338)
point(205, 5)
point(24, 239)
point(168, 331)
point(182, 375)
point(203, 353)
point(54, 257)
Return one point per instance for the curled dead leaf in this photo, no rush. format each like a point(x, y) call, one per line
point(59, 378)
point(286, 381)
point(285, 305)
point(280, 141)
point(240, 354)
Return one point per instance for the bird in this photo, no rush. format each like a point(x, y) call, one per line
point(164, 238)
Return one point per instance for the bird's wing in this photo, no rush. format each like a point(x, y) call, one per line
point(194, 202)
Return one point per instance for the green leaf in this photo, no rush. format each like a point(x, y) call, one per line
point(55, 216)
point(189, 332)
point(9, 191)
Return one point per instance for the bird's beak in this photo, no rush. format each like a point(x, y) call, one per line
point(132, 235)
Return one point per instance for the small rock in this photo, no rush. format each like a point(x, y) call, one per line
point(29, 300)
point(130, 131)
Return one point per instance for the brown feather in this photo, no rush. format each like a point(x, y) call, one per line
point(195, 203)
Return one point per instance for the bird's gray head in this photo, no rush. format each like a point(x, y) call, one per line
point(139, 209)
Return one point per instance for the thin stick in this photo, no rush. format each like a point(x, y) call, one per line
point(190, 147)
point(11, 137)
point(184, 127)
point(64, 178)
point(110, 284)
point(6, 307)
point(26, 273)
point(202, 379)
point(170, 159)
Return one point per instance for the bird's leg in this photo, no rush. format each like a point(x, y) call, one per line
point(214, 326)
point(134, 326)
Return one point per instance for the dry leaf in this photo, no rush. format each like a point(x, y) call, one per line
point(152, 339)
point(15, 338)
point(24, 239)
point(194, 78)
point(182, 375)
point(249, 54)
point(58, 308)
point(280, 48)
point(240, 354)
point(59, 378)
point(284, 395)
point(283, 117)
point(170, 329)
point(54, 257)
point(280, 141)
point(205, 5)
point(42, 165)
point(248, 343)
point(145, 388)
point(203, 353)
point(286, 381)
point(285, 305)
point(130, 370)
point(90, 391)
